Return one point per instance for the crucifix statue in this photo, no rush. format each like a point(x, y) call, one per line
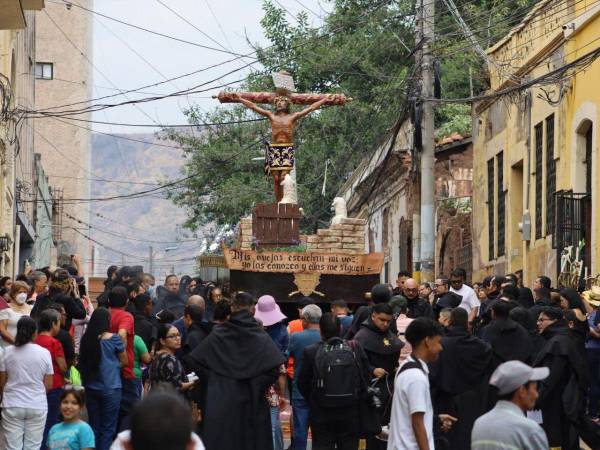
point(280, 153)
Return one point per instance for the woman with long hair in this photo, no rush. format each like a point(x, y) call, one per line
point(26, 375)
point(166, 368)
point(10, 316)
point(102, 355)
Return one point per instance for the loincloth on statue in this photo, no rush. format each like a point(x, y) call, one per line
point(279, 157)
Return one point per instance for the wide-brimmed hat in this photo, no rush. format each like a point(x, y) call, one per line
point(593, 295)
point(268, 312)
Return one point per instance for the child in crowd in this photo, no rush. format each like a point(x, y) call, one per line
point(72, 433)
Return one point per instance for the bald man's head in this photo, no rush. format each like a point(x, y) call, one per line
point(411, 288)
point(196, 300)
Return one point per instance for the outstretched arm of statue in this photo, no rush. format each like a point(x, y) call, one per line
point(253, 106)
point(311, 108)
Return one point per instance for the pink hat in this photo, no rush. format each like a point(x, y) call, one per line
point(268, 312)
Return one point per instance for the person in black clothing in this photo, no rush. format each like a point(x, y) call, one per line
point(508, 339)
point(62, 291)
point(443, 297)
point(330, 427)
point(458, 379)
point(523, 317)
point(382, 348)
point(542, 281)
point(236, 363)
point(145, 327)
point(417, 307)
point(524, 295)
point(196, 328)
point(403, 275)
point(561, 395)
point(380, 293)
point(170, 298)
point(542, 300)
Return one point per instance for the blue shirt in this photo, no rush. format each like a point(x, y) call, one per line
point(279, 334)
point(109, 370)
point(71, 436)
point(298, 342)
point(592, 342)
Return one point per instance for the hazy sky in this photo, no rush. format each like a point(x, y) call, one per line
point(128, 58)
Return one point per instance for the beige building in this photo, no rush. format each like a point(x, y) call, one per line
point(20, 170)
point(63, 76)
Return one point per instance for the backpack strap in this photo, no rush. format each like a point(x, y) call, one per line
point(415, 364)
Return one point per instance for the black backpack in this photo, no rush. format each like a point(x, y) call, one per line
point(337, 380)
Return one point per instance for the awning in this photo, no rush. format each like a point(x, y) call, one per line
point(11, 16)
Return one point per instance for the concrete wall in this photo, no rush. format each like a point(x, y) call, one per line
point(65, 149)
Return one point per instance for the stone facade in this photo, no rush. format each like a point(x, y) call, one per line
point(346, 237)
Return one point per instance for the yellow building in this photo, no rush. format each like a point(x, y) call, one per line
point(535, 150)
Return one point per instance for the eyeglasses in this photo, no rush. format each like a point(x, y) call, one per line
point(173, 336)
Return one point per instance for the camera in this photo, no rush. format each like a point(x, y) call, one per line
point(374, 393)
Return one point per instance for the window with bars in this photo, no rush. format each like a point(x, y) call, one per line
point(550, 176)
point(539, 150)
point(490, 196)
point(501, 206)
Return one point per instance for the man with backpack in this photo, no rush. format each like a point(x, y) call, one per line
point(411, 424)
point(331, 379)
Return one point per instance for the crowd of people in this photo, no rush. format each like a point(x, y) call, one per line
point(182, 366)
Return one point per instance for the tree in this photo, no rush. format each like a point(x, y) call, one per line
point(365, 50)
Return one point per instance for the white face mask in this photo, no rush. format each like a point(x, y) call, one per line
point(21, 298)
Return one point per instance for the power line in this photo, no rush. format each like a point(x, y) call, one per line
point(157, 33)
point(118, 136)
point(184, 125)
point(319, 37)
point(195, 27)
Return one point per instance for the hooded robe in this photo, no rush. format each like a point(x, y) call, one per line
point(236, 364)
point(561, 395)
point(383, 351)
point(457, 379)
point(509, 341)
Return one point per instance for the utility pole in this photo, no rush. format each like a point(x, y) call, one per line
point(427, 175)
point(151, 261)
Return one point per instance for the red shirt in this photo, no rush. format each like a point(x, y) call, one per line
point(55, 348)
point(122, 320)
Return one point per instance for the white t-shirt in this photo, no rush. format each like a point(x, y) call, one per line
point(411, 395)
point(25, 368)
point(469, 297)
point(125, 436)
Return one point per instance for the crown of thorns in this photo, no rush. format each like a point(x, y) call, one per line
point(281, 97)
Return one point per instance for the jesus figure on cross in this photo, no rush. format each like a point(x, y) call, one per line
point(280, 154)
